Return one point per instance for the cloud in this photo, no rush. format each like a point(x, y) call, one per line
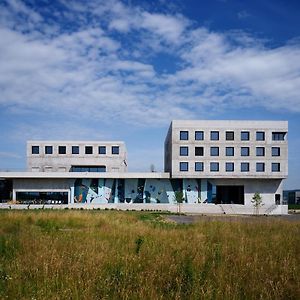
point(103, 61)
point(243, 14)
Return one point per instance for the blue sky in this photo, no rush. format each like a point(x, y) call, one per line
point(122, 70)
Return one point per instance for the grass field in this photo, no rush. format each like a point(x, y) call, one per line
point(139, 255)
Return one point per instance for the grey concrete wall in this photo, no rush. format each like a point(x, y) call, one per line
point(55, 162)
point(222, 126)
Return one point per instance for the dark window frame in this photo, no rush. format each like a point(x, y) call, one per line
point(35, 150)
point(101, 148)
point(48, 150)
point(214, 164)
point(227, 149)
point(75, 149)
point(201, 164)
point(199, 151)
point(183, 151)
point(62, 150)
point(259, 149)
point(214, 148)
point(231, 164)
point(260, 135)
point(258, 164)
point(277, 153)
point(184, 135)
point(213, 137)
point(245, 164)
point(247, 133)
point(201, 134)
point(229, 135)
point(183, 163)
point(113, 148)
point(88, 150)
point(248, 151)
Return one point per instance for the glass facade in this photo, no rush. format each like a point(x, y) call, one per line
point(35, 150)
point(48, 149)
point(229, 151)
point(199, 151)
point(88, 169)
point(245, 136)
point(199, 135)
point(184, 135)
point(214, 135)
point(260, 135)
point(115, 149)
point(184, 151)
point(183, 166)
point(75, 149)
point(199, 167)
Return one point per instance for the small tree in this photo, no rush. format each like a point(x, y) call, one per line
point(178, 197)
point(257, 202)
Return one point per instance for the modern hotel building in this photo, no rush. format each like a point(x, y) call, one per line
point(217, 167)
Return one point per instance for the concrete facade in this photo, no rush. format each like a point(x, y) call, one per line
point(251, 157)
point(56, 162)
point(266, 149)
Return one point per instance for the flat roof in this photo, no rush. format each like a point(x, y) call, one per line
point(71, 175)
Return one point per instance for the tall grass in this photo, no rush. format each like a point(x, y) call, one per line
point(125, 255)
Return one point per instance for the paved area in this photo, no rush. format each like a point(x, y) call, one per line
point(189, 219)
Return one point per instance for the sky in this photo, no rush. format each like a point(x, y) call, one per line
point(122, 70)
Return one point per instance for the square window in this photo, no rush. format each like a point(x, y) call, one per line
point(229, 167)
point(184, 166)
point(101, 150)
point(214, 151)
point(260, 135)
point(62, 149)
point(245, 151)
point(245, 136)
point(278, 136)
point(184, 151)
point(35, 149)
point(260, 151)
point(214, 135)
point(115, 149)
point(199, 135)
point(199, 167)
point(88, 149)
point(75, 149)
point(229, 151)
point(275, 167)
point(199, 151)
point(275, 151)
point(48, 149)
point(214, 167)
point(229, 135)
point(184, 135)
point(260, 167)
point(244, 167)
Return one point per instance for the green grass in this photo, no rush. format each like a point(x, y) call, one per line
point(294, 206)
point(139, 255)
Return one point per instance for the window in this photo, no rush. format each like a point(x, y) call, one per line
point(229, 167)
point(199, 151)
point(115, 149)
point(229, 135)
point(62, 149)
point(260, 135)
point(245, 136)
point(275, 167)
point(214, 151)
point(275, 151)
point(88, 149)
point(48, 149)
point(101, 150)
point(184, 151)
point(199, 167)
point(75, 149)
point(214, 167)
point(214, 135)
point(245, 151)
point(278, 136)
point(260, 151)
point(244, 167)
point(35, 150)
point(184, 166)
point(97, 169)
point(260, 167)
point(229, 151)
point(184, 135)
point(199, 135)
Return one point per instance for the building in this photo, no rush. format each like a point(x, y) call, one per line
point(292, 197)
point(75, 156)
point(215, 166)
